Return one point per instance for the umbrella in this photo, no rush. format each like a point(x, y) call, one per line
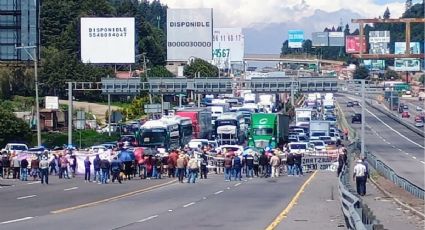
point(126, 156)
point(150, 152)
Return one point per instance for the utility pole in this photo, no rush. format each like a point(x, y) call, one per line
point(158, 18)
point(69, 113)
point(145, 69)
point(363, 119)
point(37, 106)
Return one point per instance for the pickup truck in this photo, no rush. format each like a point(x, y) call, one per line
point(14, 147)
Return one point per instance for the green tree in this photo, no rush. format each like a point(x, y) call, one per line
point(159, 71)
point(422, 79)
point(361, 72)
point(200, 66)
point(387, 13)
point(12, 128)
point(391, 75)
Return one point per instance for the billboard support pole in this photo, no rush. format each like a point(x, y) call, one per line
point(69, 113)
point(361, 39)
point(407, 37)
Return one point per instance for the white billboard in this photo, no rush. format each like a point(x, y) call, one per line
point(400, 48)
point(51, 102)
point(228, 46)
point(107, 40)
point(189, 34)
point(407, 64)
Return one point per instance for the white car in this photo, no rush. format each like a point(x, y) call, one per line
point(237, 149)
point(98, 149)
point(334, 136)
point(318, 145)
point(105, 129)
point(15, 147)
point(419, 124)
point(418, 108)
point(194, 143)
point(300, 147)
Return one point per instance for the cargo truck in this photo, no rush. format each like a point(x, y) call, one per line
point(318, 129)
point(268, 130)
point(201, 121)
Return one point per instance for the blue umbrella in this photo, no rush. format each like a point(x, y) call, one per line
point(126, 156)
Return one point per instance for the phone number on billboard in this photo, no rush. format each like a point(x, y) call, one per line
point(189, 44)
point(107, 35)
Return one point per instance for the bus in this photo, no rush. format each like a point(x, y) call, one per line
point(159, 134)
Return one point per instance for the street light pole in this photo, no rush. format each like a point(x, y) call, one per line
point(363, 120)
point(37, 107)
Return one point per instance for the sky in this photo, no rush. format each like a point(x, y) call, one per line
point(267, 21)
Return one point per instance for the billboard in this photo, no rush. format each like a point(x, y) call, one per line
point(407, 64)
point(189, 34)
point(51, 102)
point(107, 40)
point(352, 44)
point(295, 38)
point(320, 38)
point(228, 45)
point(379, 42)
point(336, 39)
point(374, 64)
point(400, 48)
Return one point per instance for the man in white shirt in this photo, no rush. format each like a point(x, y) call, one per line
point(359, 176)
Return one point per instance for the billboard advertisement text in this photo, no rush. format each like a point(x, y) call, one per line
point(379, 42)
point(407, 64)
point(400, 48)
point(228, 45)
point(295, 38)
point(374, 64)
point(352, 44)
point(336, 39)
point(107, 40)
point(189, 34)
point(320, 39)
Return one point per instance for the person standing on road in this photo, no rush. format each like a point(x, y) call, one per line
point(35, 167)
point(297, 161)
point(193, 169)
point(64, 167)
point(263, 161)
point(275, 163)
point(104, 166)
point(44, 170)
point(73, 164)
point(359, 175)
point(15, 164)
point(204, 163)
point(256, 164)
point(87, 165)
point(6, 166)
point(367, 176)
point(181, 167)
point(24, 169)
point(249, 164)
point(52, 165)
point(290, 163)
point(237, 167)
point(116, 167)
point(227, 168)
point(96, 166)
point(342, 157)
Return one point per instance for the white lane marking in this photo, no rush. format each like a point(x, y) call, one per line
point(147, 218)
point(228, 188)
point(414, 158)
point(17, 220)
point(170, 210)
point(35, 182)
point(187, 205)
point(400, 150)
point(394, 129)
point(204, 198)
point(68, 189)
point(406, 153)
point(236, 185)
point(218, 192)
point(25, 197)
point(423, 162)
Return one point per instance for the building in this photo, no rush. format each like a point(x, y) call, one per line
point(19, 26)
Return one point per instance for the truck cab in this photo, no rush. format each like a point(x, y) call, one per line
point(159, 134)
point(263, 130)
point(230, 128)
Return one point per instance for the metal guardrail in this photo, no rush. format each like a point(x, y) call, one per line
point(390, 174)
point(357, 215)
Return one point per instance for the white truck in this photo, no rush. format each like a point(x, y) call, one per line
point(303, 116)
point(318, 129)
point(14, 148)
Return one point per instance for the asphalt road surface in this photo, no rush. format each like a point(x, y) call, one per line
point(397, 146)
point(209, 204)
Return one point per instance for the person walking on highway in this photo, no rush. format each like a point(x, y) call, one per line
point(298, 157)
point(64, 167)
point(237, 167)
point(116, 167)
point(204, 163)
point(104, 166)
point(342, 160)
point(52, 165)
point(256, 164)
point(87, 165)
point(367, 176)
point(24, 169)
point(263, 161)
point(6, 166)
point(359, 175)
point(249, 164)
point(275, 163)
point(96, 167)
point(15, 165)
point(73, 164)
point(181, 167)
point(193, 169)
point(44, 170)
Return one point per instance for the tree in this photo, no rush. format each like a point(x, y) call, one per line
point(391, 75)
point(408, 4)
point(387, 14)
point(12, 128)
point(422, 79)
point(202, 67)
point(347, 29)
point(159, 71)
point(361, 73)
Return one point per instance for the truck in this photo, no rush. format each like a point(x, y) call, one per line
point(159, 134)
point(303, 116)
point(201, 121)
point(268, 130)
point(217, 110)
point(318, 129)
point(230, 128)
point(185, 128)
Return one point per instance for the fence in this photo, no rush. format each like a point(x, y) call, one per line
point(357, 215)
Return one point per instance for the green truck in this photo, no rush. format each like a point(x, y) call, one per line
point(268, 130)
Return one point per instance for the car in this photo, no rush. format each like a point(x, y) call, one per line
point(98, 149)
point(195, 143)
point(130, 139)
point(418, 108)
point(330, 144)
point(15, 147)
point(356, 118)
point(405, 107)
point(405, 114)
point(350, 104)
point(300, 147)
point(356, 103)
point(334, 136)
point(293, 138)
point(302, 138)
point(325, 138)
point(235, 149)
point(319, 145)
point(419, 123)
point(105, 129)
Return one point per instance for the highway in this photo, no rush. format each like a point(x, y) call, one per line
point(211, 203)
point(397, 146)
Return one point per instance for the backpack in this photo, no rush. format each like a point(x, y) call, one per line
point(237, 162)
point(115, 168)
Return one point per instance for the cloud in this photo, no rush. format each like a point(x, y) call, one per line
point(246, 13)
